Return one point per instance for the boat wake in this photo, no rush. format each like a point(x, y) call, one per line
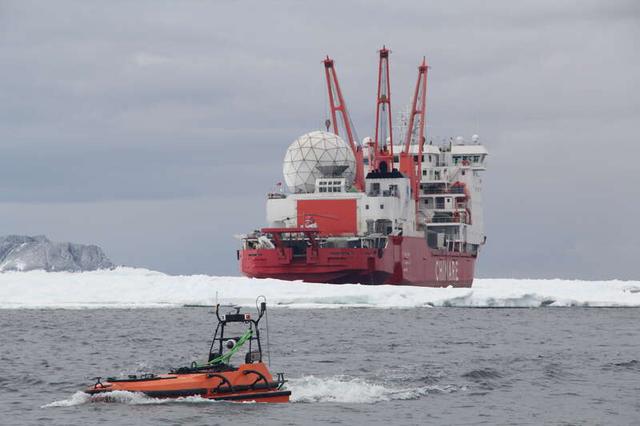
point(343, 389)
point(141, 288)
point(123, 397)
point(307, 389)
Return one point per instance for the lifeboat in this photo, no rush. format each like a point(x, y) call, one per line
point(217, 378)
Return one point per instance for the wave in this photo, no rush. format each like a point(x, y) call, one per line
point(482, 374)
point(141, 288)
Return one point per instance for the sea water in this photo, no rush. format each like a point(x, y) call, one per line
point(417, 365)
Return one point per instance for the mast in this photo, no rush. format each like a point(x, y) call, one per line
point(339, 110)
point(383, 152)
point(410, 165)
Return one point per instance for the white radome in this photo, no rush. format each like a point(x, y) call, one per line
point(316, 155)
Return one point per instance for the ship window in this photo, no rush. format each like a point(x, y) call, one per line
point(424, 172)
point(395, 158)
point(366, 206)
point(382, 206)
point(323, 189)
point(476, 158)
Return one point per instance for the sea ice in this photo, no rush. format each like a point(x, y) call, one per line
point(129, 287)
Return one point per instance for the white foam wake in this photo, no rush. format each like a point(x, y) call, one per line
point(123, 397)
point(129, 287)
point(343, 389)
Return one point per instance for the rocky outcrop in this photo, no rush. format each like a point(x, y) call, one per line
point(23, 253)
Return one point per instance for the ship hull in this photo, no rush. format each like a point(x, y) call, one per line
point(405, 261)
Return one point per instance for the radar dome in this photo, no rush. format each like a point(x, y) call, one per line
point(316, 155)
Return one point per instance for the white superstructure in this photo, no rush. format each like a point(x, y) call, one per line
point(450, 207)
point(449, 211)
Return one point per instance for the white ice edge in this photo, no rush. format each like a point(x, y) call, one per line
point(142, 288)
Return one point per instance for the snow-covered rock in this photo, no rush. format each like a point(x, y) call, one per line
point(23, 253)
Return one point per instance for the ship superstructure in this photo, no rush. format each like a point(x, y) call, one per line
point(376, 212)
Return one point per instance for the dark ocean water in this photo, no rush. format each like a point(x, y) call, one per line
point(347, 366)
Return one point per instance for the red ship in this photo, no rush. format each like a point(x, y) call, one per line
point(373, 212)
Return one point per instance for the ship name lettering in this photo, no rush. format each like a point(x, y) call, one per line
point(447, 270)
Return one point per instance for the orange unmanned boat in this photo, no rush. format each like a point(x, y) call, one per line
point(216, 379)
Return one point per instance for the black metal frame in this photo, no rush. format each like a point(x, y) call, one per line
point(237, 317)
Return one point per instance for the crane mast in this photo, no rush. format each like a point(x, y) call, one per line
point(383, 141)
point(411, 165)
point(339, 109)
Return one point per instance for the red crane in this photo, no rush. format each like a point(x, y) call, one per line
point(338, 106)
point(383, 150)
point(411, 164)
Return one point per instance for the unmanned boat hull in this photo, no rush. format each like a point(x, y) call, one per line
point(250, 382)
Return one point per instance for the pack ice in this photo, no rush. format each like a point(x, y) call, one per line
point(131, 288)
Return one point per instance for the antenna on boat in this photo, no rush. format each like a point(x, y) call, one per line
point(262, 309)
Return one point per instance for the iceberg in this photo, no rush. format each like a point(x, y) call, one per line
point(23, 253)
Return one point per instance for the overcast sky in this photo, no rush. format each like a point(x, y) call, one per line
point(154, 128)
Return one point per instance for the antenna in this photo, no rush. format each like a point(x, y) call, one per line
point(262, 309)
